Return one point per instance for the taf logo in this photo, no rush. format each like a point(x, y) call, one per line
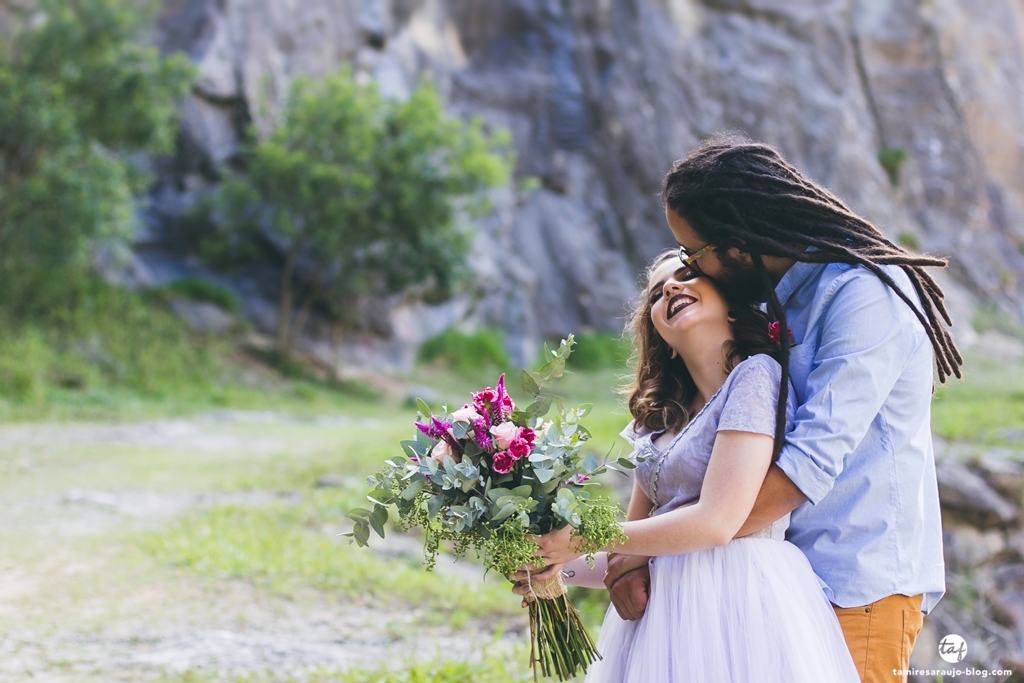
point(953, 648)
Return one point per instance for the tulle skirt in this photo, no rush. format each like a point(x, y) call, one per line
point(752, 610)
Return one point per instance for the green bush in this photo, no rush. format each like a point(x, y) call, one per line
point(909, 240)
point(105, 337)
point(198, 289)
point(80, 93)
point(466, 353)
point(364, 191)
point(892, 160)
point(596, 351)
point(24, 361)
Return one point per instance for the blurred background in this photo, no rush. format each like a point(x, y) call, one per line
point(239, 237)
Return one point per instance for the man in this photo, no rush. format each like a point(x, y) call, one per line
point(858, 319)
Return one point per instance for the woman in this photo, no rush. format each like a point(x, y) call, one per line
point(704, 419)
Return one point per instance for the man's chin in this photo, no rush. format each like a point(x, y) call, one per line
point(741, 284)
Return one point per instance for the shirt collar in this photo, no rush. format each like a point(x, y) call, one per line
point(794, 277)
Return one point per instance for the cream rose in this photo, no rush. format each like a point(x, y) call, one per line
point(504, 434)
point(466, 413)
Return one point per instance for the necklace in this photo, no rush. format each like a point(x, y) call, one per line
point(659, 460)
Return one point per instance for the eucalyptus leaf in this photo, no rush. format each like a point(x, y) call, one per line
point(423, 408)
point(358, 513)
point(523, 491)
point(590, 464)
point(504, 513)
point(378, 519)
point(529, 384)
point(627, 463)
point(434, 504)
point(414, 448)
point(539, 407)
point(361, 532)
point(544, 476)
point(495, 494)
point(413, 490)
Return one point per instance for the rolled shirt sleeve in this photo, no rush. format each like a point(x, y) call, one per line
point(861, 352)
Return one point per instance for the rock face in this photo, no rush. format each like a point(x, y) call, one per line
point(981, 493)
point(602, 95)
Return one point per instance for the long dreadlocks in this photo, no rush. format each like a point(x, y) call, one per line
point(738, 193)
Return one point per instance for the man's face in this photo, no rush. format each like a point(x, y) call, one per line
point(730, 268)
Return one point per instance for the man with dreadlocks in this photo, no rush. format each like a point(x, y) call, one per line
point(858, 321)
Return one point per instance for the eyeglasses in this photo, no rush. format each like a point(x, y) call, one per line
point(690, 260)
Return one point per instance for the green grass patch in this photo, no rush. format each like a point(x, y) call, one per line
point(198, 289)
point(285, 547)
point(990, 317)
point(105, 338)
point(489, 668)
point(989, 400)
point(597, 351)
point(465, 353)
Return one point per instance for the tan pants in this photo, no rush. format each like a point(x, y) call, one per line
point(881, 636)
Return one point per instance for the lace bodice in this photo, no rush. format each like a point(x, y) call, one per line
point(672, 477)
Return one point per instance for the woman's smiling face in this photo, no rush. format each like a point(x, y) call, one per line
point(681, 303)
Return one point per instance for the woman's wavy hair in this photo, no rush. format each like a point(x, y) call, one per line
point(662, 387)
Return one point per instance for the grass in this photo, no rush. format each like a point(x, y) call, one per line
point(490, 668)
point(198, 289)
point(984, 405)
point(597, 351)
point(285, 548)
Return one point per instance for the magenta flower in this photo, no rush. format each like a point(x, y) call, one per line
point(436, 430)
point(503, 462)
point(527, 435)
point(774, 332)
point(482, 435)
point(504, 401)
point(494, 403)
point(519, 448)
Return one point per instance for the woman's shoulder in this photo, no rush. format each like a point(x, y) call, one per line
point(631, 434)
point(759, 365)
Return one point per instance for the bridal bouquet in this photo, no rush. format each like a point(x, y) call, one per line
point(490, 475)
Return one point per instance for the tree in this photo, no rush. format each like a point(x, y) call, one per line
point(362, 193)
point(79, 93)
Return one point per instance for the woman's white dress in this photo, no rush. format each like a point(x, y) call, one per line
point(752, 610)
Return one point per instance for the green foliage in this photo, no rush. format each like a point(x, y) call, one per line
point(473, 504)
point(24, 360)
point(198, 289)
point(79, 93)
point(991, 317)
point(892, 160)
point(596, 351)
point(984, 405)
point(106, 337)
point(465, 353)
point(286, 548)
point(909, 240)
point(489, 668)
point(363, 190)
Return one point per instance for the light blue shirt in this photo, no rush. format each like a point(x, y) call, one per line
point(861, 444)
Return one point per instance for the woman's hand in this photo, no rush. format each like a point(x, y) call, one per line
point(556, 548)
point(526, 575)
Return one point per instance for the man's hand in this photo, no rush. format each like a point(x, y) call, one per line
point(629, 582)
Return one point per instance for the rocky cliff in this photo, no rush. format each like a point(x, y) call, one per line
point(602, 95)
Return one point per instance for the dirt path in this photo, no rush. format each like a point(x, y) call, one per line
point(80, 600)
